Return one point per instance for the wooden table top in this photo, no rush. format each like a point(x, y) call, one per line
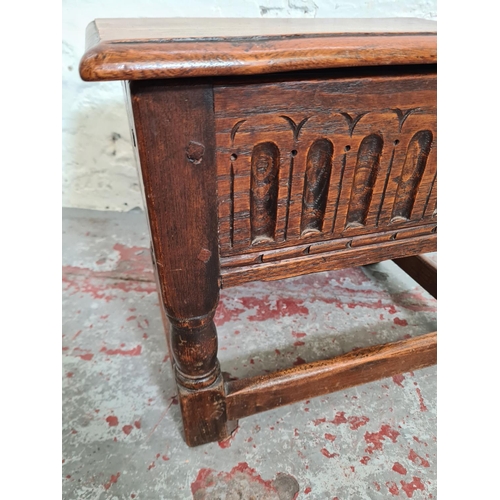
point(137, 49)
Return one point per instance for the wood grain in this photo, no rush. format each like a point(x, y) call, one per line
point(311, 147)
point(256, 394)
point(138, 49)
point(327, 260)
point(325, 193)
point(422, 269)
point(178, 174)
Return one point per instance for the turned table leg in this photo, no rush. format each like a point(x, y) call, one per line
point(174, 130)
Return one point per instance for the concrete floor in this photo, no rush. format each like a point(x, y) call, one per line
point(122, 436)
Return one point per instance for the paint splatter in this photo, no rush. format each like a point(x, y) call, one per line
point(400, 322)
point(127, 429)
point(112, 480)
point(327, 454)
point(319, 421)
point(357, 422)
point(86, 357)
point(137, 424)
point(421, 400)
point(398, 379)
point(112, 421)
point(226, 443)
point(375, 439)
point(353, 421)
point(330, 437)
point(136, 351)
point(244, 480)
point(410, 488)
point(266, 309)
point(417, 459)
point(397, 467)
point(365, 460)
point(393, 488)
point(339, 418)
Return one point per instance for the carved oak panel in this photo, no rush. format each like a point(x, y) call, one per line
point(326, 158)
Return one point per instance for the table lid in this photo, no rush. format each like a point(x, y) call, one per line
point(138, 49)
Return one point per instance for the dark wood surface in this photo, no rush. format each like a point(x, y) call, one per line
point(341, 141)
point(179, 179)
point(252, 395)
point(248, 176)
point(422, 269)
point(139, 49)
point(327, 260)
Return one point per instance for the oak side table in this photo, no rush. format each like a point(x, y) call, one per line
point(271, 148)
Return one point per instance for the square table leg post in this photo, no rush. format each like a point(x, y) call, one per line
point(174, 127)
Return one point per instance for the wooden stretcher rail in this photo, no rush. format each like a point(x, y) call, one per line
point(422, 269)
point(256, 394)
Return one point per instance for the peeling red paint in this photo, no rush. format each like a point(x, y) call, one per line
point(327, 454)
point(397, 467)
point(112, 421)
point(165, 458)
point(269, 309)
point(299, 343)
point(417, 459)
point(374, 439)
point(319, 421)
point(240, 472)
point(398, 379)
point(330, 437)
point(365, 460)
point(307, 490)
point(410, 488)
point(339, 418)
point(299, 361)
point(69, 374)
point(421, 400)
point(136, 351)
point(151, 466)
point(112, 480)
point(204, 479)
point(226, 443)
point(353, 421)
point(127, 429)
point(393, 488)
point(137, 424)
point(130, 318)
point(298, 335)
point(357, 422)
point(377, 486)
point(400, 322)
point(76, 334)
point(224, 313)
point(86, 357)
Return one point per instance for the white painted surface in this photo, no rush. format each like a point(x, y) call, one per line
point(99, 169)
